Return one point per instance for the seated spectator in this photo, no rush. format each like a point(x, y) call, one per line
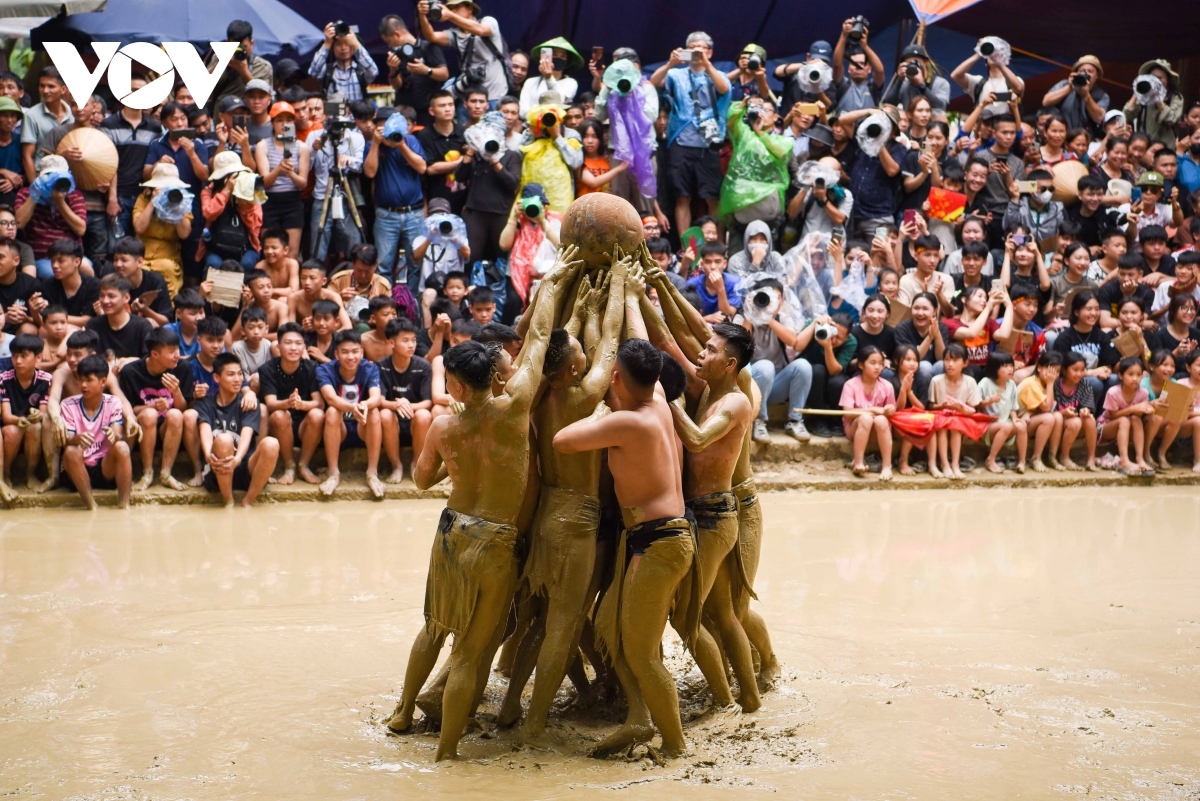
point(1157, 209)
point(779, 377)
point(719, 294)
point(360, 283)
point(972, 257)
point(350, 386)
point(1185, 282)
point(973, 230)
point(1126, 286)
point(1073, 400)
point(42, 118)
point(353, 68)
point(68, 288)
point(481, 305)
point(379, 312)
point(1085, 336)
point(956, 391)
point(405, 381)
point(283, 270)
point(1078, 97)
point(1023, 264)
point(870, 392)
point(759, 256)
point(1178, 334)
point(597, 171)
point(975, 328)
point(1088, 213)
point(926, 278)
point(324, 325)
point(1037, 211)
point(233, 217)
point(119, 331)
point(49, 209)
point(312, 289)
point(95, 455)
point(16, 290)
point(162, 219)
point(292, 396)
point(229, 440)
point(12, 172)
point(24, 393)
point(8, 229)
point(929, 337)
point(262, 297)
point(1126, 404)
point(531, 237)
point(189, 311)
point(148, 294)
point(253, 349)
point(283, 163)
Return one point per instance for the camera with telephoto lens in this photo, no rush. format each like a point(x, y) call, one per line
point(1143, 87)
point(174, 195)
point(754, 63)
point(549, 119)
point(341, 28)
point(62, 185)
point(857, 28)
point(752, 116)
point(434, 14)
point(624, 85)
point(531, 207)
point(825, 332)
point(762, 299)
point(240, 53)
point(986, 49)
point(446, 227)
point(491, 146)
point(912, 69)
point(470, 78)
point(874, 129)
point(395, 137)
point(814, 75)
point(259, 186)
point(1079, 79)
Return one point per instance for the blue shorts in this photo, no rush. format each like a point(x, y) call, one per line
point(352, 439)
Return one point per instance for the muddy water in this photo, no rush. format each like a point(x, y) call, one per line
point(960, 644)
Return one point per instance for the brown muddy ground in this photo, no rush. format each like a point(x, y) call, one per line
point(982, 644)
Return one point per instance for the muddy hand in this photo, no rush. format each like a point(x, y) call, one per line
point(133, 431)
point(566, 265)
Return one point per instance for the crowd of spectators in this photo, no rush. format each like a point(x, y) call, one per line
point(283, 268)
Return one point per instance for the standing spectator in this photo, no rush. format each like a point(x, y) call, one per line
point(42, 118)
point(553, 153)
point(243, 67)
point(396, 162)
point(283, 163)
point(47, 213)
point(531, 237)
point(416, 68)
point(554, 59)
point(519, 63)
point(353, 68)
point(757, 175)
point(1081, 102)
point(794, 91)
point(916, 76)
point(1000, 78)
point(444, 136)
point(492, 180)
point(860, 84)
point(481, 48)
point(258, 102)
point(12, 171)
point(132, 131)
point(233, 138)
point(1158, 120)
point(1004, 170)
point(349, 157)
point(234, 223)
point(699, 99)
point(190, 157)
point(95, 238)
point(874, 180)
point(746, 82)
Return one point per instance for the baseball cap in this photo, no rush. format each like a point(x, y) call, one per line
point(231, 103)
point(1149, 177)
point(821, 49)
point(257, 85)
point(914, 51)
point(383, 112)
point(282, 108)
point(439, 205)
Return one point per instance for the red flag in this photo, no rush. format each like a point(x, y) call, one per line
point(915, 425)
point(972, 425)
point(946, 205)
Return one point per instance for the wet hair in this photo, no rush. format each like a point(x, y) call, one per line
point(954, 351)
point(465, 325)
point(94, 365)
point(223, 360)
point(325, 308)
point(640, 363)
point(481, 295)
point(157, 339)
point(558, 352)
point(713, 249)
point(739, 343)
point(90, 340)
point(1128, 363)
point(1078, 303)
point(472, 363)
point(65, 247)
point(1050, 358)
point(288, 328)
point(497, 332)
point(996, 360)
point(129, 246)
point(347, 335)
point(399, 325)
point(672, 377)
point(188, 298)
point(1178, 303)
point(26, 343)
point(253, 314)
point(979, 249)
point(212, 327)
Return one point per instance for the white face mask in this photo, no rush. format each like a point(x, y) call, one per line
point(1043, 197)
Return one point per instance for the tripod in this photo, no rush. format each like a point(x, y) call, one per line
point(338, 185)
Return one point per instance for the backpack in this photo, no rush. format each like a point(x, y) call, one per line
point(227, 236)
point(501, 54)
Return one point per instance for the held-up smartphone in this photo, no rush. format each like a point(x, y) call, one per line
point(190, 133)
point(697, 57)
point(1135, 195)
point(1027, 187)
point(910, 217)
point(811, 109)
point(836, 237)
point(289, 132)
point(881, 233)
point(239, 121)
point(597, 54)
point(1003, 97)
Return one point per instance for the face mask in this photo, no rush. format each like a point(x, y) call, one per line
point(1043, 197)
point(560, 64)
point(1194, 148)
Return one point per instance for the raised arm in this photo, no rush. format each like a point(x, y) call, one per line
point(595, 383)
point(522, 386)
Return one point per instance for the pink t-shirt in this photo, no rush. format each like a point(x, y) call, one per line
point(854, 396)
point(77, 421)
point(1114, 401)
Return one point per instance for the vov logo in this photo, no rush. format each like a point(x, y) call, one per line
point(172, 56)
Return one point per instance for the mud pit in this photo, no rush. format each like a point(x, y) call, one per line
point(935, 644)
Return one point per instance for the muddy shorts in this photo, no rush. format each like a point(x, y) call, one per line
point(464, 548)
point(749, 544)
point(563, 531)
point(716, 527)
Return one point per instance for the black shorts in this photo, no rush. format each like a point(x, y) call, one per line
point(95, 477)
point(297, 419)
point(694, 172)
point(283, 210)
point(241, 477)
point(405, 431)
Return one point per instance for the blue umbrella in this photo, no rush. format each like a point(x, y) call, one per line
point(197, 21)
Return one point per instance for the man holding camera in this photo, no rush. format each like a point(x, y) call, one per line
point(858, 74)
point(396, 163)
point(1081, 102)
point(49, 209)
point(750, 77)
point(243, 67)
point(353, 68)
point(479, 44)
point(700, 97)
point(340, 144)
point(914, 78)
point(416, 68)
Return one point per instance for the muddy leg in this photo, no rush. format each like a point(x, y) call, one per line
point(719, 606)
point(526, 659)
point(421, 659)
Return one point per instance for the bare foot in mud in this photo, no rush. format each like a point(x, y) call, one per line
point(308, 475)
point(377, 488)
point(396, 476)
point(144, 482)
point(622, 738)
point(46, 485)
point(768, 676)
point(330, 484)
point(288, 477)
point(539, 740)
point(400, 721)
point(168, 480)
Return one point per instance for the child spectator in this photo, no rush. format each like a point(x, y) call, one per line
point(254, 349)
point(1073, 400)
point(96, 455)
point(1191, 426)
point(379, 312)
point(455, 288)
point(1086, 337)
point(147, 289)
point(324, 326)
point(718, 291)
point(55, 330)
point(160, 387)
point(596, 172)
point(1160, 264)
point(481, 303)
point(295, 410)
point(189, 311)
point(869, 391)
point(1076, 259)
point(75, 292)
point(907, 361)
point(998, 392)
point(431, 341)
point(211, 332)
point(282, 268)
point(1113, 246)
point(1124, 407)
point(1162, 369)
point(262, 296)
point(229, 437)
point(954, 391)
point(24, 393)
point(16, 288)
point(888, 284)
point(118, 330)
point(1023, 264)
point(1036, 396)
point(975, 329)
point(350, 387)
point(1187, 271)
point(405, 381)
point(1127, 286)
point(312, 288)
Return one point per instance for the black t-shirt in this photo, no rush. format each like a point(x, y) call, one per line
point(1166, 265)
point(794, 93)
point(885, 340)
point(1091, 227)
point(848, 156)
point(1163, 339)
point(229, 419)
point(142, 388)
point(907, 334)
point(436, 147)
point(418, 88)
point(22, 399)
point(162, 301)
point(960, 283)
point(129, 341)
point(272, 380)
point(19, 291)
point(81, 304)
point(415, 383)
point(1111, 297)
point(1096, 346)
point(310, 340)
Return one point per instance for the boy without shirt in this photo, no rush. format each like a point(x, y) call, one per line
point(95, 453)
point(283, 270)
point(378, 315)
point(350, 388)
point(261, 294)
point(24, 393)
point(1187, 275)
point(292, 395)
point(312, 288)
point(406, 399)
point(160, 387)
point(55, 331)
point(118, 330)
point(229, 437)
point(128, 262)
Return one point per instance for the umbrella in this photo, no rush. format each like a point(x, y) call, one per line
point(47, 8)
point(99, 163)
point(197, 21)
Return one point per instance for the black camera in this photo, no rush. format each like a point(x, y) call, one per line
point(174, 195)
point(1079, 79)
point(240, 53)
point(287, 153)
point(623, 86)
point(819, 183)
point(857, 28)
point(470, 78)
point(1142, 87)
point(405, 52)
point(341, 28)
point(752, 116)
point(396, 137)
point(986, 49)
point(491, 146)
point(435, 11)
point(445, 226)
point(874, 129)
point(62, 185)
point(754, 63)
point(761, 299)
point(912, 69)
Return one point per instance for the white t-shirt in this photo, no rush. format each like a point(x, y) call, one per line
point(1159, 215)
point(495, 80)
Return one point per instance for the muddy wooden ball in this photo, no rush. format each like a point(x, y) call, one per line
point(595, 223)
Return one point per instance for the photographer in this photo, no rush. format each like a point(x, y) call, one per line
point(443, 248)
point(822, 204)
point(353, 68)
point(481, 48)
point(233, 138)
point(283, 162)
point(553, 153)
point(416, 68)
point(531, 238)
point(775, 325)
point(1000, 78)
point(874, 180)
point(396, 163)
point(857, 70)
point(162, 219)
point(796, 87)
point(699, 101)
point(233, 221)
point(49, 209)
point(554, 59)
point(492, 178)
point(342, 144)
point(1081, 102)
point(757, 176)
point(243, 67)
point(750, 77)
point(916, 76)
point(1037, 211)
point(1159, 117)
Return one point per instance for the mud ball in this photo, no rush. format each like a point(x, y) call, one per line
point(596, 222)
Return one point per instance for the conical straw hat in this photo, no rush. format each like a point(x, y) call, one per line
point(99, 165)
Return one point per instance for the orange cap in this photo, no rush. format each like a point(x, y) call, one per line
point(282, 107)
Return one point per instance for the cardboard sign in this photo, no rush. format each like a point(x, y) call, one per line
point(899, 314)
point(1179, 400)
point(1017, 341)
point(1131, 343)
point(227, 287)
